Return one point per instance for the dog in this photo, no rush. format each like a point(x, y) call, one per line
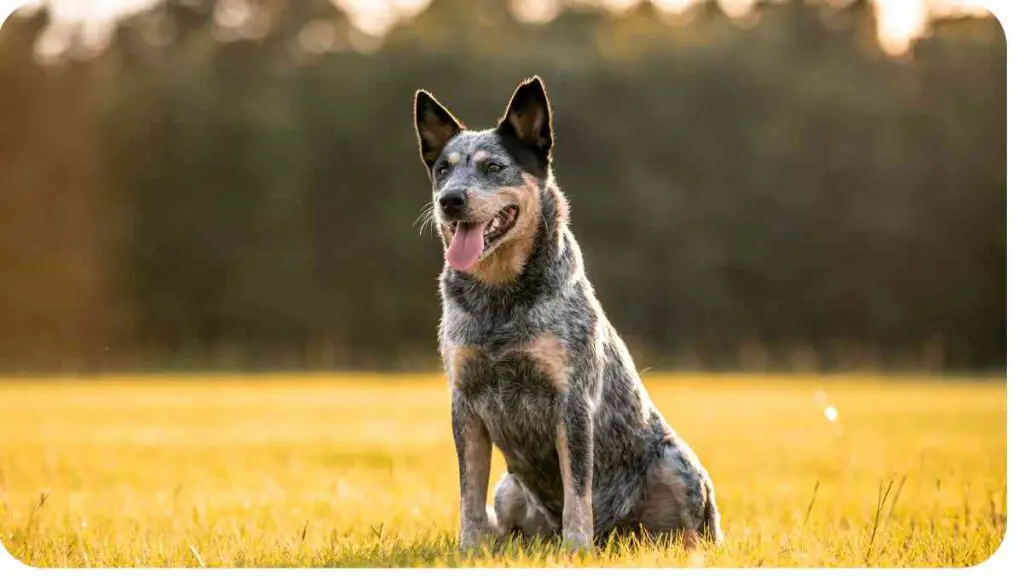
point(534, 365)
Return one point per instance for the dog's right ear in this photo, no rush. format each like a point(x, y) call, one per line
point(435, 126)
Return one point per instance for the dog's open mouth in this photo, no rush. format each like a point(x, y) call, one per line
point(497, 227)
point(471, 239)
point(500, 224)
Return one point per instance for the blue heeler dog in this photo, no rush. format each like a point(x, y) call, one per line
point(535, 367)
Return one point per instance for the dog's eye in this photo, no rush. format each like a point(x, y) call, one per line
point(443, 170)
point(494, 167)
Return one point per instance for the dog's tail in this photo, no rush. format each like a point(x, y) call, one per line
point(711, 523)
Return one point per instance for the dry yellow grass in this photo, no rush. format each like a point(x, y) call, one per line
point(360, 470)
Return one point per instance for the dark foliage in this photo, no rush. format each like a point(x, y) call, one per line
point(774, 196)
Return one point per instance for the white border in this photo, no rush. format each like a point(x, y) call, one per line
point(1008, 13)
point(1009, 553)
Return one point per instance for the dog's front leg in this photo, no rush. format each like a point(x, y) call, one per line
point(575, 444)
point(473, 448)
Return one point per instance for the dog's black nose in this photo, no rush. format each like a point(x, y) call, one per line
point(453, 203)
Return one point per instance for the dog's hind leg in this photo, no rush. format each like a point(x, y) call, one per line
point(517, 511)
point(680, 499)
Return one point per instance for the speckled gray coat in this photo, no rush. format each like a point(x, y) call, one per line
point(538, 371)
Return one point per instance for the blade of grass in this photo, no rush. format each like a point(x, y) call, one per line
point(880, 504)
point(814, 495)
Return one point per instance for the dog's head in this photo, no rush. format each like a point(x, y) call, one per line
point(487, 184)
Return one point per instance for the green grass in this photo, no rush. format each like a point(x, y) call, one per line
point(360, 471)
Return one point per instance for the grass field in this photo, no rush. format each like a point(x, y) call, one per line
point(360, 471)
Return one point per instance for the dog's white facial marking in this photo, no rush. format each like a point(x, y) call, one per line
point(454, 158)
point(480, 155)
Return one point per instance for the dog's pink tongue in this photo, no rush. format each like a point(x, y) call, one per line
point(466, 246)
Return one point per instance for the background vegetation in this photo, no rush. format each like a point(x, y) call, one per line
point(237, 189)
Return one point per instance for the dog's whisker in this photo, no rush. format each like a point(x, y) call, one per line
point(424, 217)
point(419, 220)
point(424, 211)
point(426, 222)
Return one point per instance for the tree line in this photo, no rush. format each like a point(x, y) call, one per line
point(772, 194)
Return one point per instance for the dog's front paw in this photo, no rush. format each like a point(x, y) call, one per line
point(475, 537)
point(576, 541)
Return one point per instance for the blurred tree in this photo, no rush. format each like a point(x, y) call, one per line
point(53, 250)
point(235, 184)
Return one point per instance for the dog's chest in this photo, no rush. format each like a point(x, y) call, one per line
point(513, 390)
point(516, 395)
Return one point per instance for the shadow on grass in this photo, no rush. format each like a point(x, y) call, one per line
point(443, 551)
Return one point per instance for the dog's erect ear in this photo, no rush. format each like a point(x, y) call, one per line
point(435, 126)
point(528, 117)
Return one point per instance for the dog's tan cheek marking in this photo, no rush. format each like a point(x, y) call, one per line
point(528, 199)
point(508, 259)
point(498, 268)
point(577, 511)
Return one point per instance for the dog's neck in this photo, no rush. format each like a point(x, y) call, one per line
point(552, 264)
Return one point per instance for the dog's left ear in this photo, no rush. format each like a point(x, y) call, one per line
point(528, 118)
